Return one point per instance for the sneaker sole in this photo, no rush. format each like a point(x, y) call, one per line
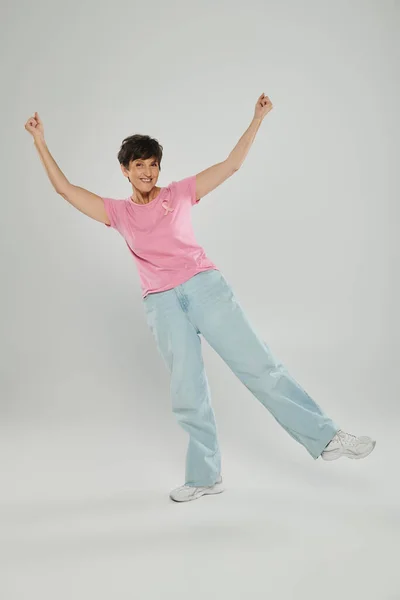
point(216, 489)
point(335, 454)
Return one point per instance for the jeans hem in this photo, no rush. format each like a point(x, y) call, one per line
point(324, 441)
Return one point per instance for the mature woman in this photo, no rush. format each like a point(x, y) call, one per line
point(185, 295)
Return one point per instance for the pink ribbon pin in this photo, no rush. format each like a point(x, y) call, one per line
point(167, 208)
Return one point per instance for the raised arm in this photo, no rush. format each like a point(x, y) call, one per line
point(209, 179)
point(86, 202)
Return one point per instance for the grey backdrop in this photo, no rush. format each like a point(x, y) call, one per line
point(306, 233)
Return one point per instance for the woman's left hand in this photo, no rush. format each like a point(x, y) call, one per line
point(263, 106)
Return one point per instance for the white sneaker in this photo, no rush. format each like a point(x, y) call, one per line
point(346, 444)
point(184, 493)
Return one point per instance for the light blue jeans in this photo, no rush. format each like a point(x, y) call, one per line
point(206, 305)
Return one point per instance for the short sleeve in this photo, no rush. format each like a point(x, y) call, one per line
point(186, 190)
point(113, 209)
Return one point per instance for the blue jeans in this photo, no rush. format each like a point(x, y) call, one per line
point(206, 305)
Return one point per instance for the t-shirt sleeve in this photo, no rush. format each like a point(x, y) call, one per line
point(186, 190)
point(113, 210)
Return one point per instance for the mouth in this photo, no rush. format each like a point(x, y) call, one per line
point(146, 180)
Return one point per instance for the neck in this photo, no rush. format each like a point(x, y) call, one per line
point(144, 197)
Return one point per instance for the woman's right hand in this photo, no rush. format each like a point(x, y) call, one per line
point(34, 126)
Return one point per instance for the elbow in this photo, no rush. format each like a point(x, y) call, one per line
point(62, 191)
point(231, 166)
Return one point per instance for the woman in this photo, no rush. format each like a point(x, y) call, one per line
point(185, 295)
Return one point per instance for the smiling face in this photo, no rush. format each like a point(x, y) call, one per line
point(143, 174)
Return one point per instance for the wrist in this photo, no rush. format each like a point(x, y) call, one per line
point(38, 139)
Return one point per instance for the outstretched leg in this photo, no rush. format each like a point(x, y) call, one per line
point(221, 320)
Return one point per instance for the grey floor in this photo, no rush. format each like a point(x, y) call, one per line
point(78, 521)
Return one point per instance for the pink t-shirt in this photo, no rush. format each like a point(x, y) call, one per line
point(160, 236)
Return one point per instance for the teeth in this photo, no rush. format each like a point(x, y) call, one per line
point(146, 180)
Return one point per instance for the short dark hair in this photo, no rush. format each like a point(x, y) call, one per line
point(139, 146)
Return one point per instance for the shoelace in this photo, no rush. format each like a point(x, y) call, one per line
point(192, 489)
point(346, 438)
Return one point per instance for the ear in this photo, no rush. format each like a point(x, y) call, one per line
point(124, 171)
